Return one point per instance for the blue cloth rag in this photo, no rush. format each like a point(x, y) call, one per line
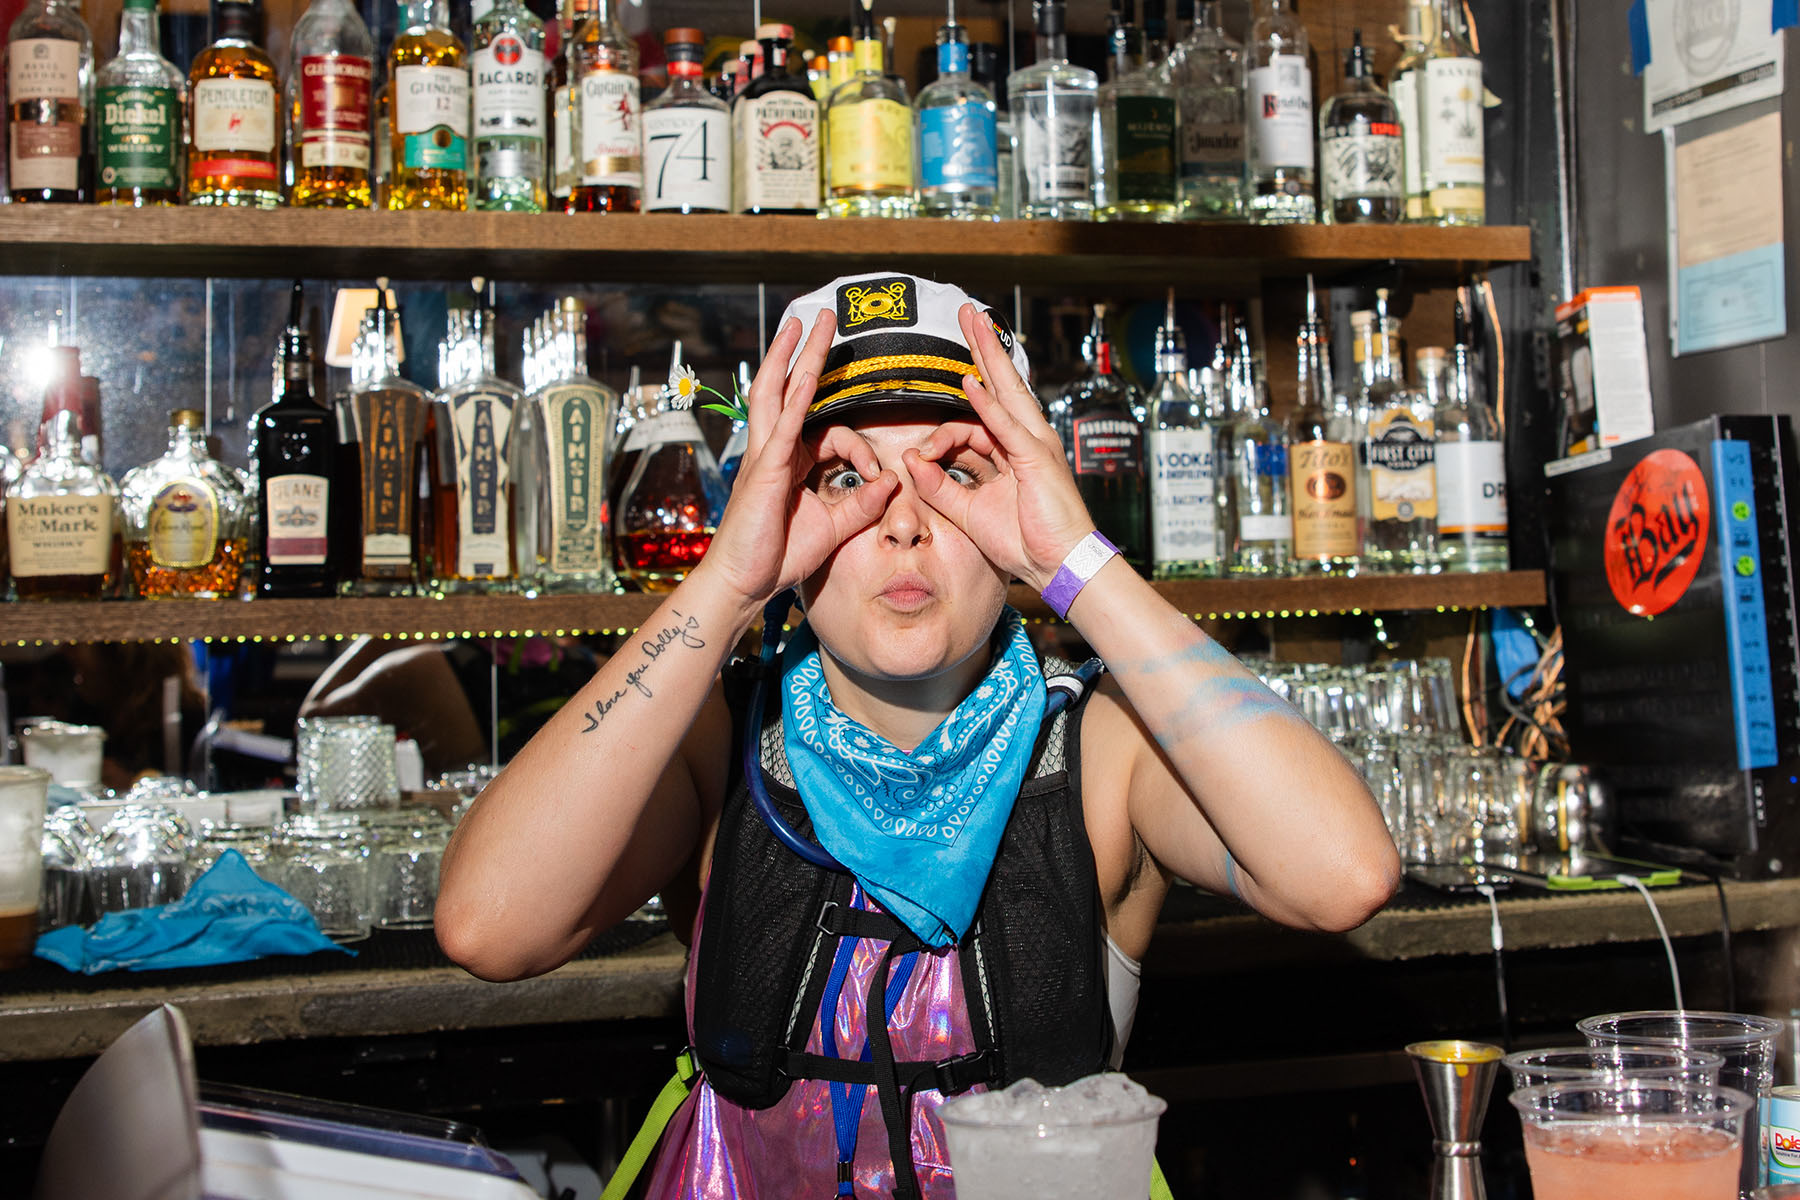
point(229, 915)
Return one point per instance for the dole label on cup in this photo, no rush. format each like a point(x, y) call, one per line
point(1781, 1133)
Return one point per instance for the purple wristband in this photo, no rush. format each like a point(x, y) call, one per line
point(1084, 562)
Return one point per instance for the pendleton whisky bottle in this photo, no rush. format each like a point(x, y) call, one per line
point(293, 450)
point(470, 433)
point(234, 139)
point(428, 117)
point(49, 82)
point(137, 117)
point(62, 519)
point(575, 417)
point(331, 71)
point(184, 519)
point(604, 108)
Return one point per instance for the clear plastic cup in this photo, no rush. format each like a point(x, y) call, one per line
point(1533, 1068)
point(1646, 1139)
point(1092, 1140)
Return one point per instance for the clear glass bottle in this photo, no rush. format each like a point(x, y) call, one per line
point(184, 519)
point(293, 451)
point(471, 454)
point(1278, 106)
point(1258, 518)
point(233, 114)
point(984, 68)
point(869, 135)
point(1454, 162)
point(62, 520)
point(428, 119)
point(562, 140)
point(604, 107)
point(1134, 136)
point(383, 420)
point(1362, 157)
point(508, 86)
point(672, 503)
point(959, 161)
point(137, 117)
point(1052, 104)
point(1405, 86)
point(1471, 466)
point(1106, 446)
point(382, 137)
point(687, 136)
point(575, 418)
point(1206, 70)
point(776, 133)
point(1182, 444)
point(330, 80)
point(1399, 456)
point(49, 89)
point(1321, 460)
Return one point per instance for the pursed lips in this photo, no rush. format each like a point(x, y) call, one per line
point(907, 590)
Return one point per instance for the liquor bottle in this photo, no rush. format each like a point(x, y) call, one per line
point(184, 519)
point(429, 118)
point(622, 449)
point(508, 85)
point(49, 82)
point(293, 448)
point(1321, 460)
point(1362, 157)
point(1278, 103)
point(1134, 135)
point(62, 519)
point(1471, 466)
point(1156, 36)
point(575, 417)
point(985, 69)
point(869, 135)
point(1181, 446)
point(1206, 70)
point(687, 136)
point(233, 123)
point(1398, 452)
point(385, 418)
point(1106, 440)
point(562, 140)
point(818, 74)
point(330, 76)
point(1453, 152)
point(750, 65)
point(959, 168)
point(775, 136)
point(137, 117)
point(603, 126)
point(383, 140)
point(470, 431)
point(1405, 85)
point(672, 502)
point(1052, 104)
point(1257, 514)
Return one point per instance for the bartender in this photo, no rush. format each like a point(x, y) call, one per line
point(903, 809)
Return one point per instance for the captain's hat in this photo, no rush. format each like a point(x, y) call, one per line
point(897, 342)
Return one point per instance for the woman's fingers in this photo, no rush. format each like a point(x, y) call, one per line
point(951, 435)
point(937, 489)
point(763, 404)
point(818, 345)
point(862, 507)
point(1012, 434)
point(997, 368)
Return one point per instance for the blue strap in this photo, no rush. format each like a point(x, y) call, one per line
point(847, 1098)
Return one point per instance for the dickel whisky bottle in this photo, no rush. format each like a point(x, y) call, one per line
point(49, 82)
point(331, 74)
point(234, 139)
point(429, 113)
point(184, 519)
point(62, 520)
point(137, 117)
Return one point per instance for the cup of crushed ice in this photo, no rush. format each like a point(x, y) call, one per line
point(1093, 1139)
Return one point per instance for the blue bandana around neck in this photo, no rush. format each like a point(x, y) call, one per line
point(918, 830)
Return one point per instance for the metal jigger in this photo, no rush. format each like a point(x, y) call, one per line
point(1457, 1079)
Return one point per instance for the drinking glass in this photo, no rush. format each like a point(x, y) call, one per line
point(324, 864)
point(67, 851)
point(1644, 1138)
point(71, 753)
point(23, 791)
point(1092, 1140)
point(1746, 1042)
point(406, 849)
point(140, 859)
point(354, 768)
point(309, 734)
point(1534, 1068)
point(251, 841)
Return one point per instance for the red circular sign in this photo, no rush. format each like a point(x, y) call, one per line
point(507, 50)
point(1656, 533)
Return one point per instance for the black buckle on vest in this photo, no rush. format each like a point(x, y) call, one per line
point(824, 919)
point(959, 1074)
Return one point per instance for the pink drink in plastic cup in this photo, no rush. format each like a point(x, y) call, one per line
point(1598, 1162)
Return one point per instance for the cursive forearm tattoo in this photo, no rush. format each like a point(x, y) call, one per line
point(685, 633)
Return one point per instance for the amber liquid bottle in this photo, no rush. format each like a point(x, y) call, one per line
point(234, 142)
point(184, 518)
point(428, 72)
point(562, 143)
point(603, 83)
point(331, 68)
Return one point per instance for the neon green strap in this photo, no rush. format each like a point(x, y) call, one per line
point(662, 1111)
point(1159, 1186)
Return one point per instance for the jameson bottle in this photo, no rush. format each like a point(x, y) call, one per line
point(603, 82)
point(575, 416)
point(234, 115)
point(1321, 460)
point(1278, 102)
point(1052, 104)
point(429, 114)
point(385, 418)
point(959, 167)
point(775, 136)
point(687, 136)
point(1362, 157)
point(293, 450)
point(49, 81)
point(137, 117)
point(1106, 440)
point(509, 117)
point(331, 71)
point(869, 135)
point(470, 434)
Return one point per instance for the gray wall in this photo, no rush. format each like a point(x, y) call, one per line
point(1621, 224)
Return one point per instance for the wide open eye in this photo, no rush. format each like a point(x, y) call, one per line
point(841, 478)
point(965, 475)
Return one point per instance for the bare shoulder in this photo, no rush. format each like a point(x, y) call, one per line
point(1115, 749)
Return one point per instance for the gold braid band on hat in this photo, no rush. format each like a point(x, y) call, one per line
point(898, 362)
point(886, 385)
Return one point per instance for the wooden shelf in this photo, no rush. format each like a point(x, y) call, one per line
point(556, 247)
point(479, 616)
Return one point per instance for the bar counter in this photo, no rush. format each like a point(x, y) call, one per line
point(400, 984)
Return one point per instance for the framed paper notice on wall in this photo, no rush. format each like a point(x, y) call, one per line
point(1698, 59)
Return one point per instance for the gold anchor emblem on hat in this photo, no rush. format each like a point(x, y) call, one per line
point(873, 303)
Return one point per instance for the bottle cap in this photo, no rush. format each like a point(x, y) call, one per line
point(683, 36)
point(185, 418)
point(842, 45)
point(1356, 61)
point(1049, 14)
point(774, 32)
point(748, 50)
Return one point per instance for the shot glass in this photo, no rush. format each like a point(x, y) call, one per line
point(1590, 1138)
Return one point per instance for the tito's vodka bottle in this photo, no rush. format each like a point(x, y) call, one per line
point(137, 117)
point(429, 118)
point(1052, 104)
point(510, 130)
point(49, 82)
point(1278, 103)
point(331, 71)
point(1321, 461)
point(233, 115)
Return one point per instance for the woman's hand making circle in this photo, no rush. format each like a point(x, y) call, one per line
point(776, 531)
point(1029, 516)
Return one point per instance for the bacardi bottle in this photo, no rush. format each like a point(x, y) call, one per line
point(510, 129)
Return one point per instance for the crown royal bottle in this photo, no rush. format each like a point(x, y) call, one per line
point(184, 519)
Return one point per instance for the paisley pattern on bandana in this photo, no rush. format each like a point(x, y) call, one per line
point(920, 830)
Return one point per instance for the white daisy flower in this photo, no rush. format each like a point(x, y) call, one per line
point(684, 385)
